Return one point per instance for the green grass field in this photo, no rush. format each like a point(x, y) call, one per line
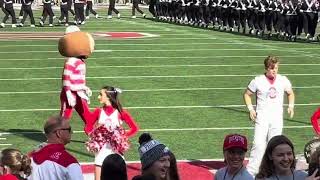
point(184, 86)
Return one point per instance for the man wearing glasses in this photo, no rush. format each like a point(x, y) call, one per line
point(51, 161)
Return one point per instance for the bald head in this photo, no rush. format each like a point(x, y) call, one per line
point(53, 123)
point(58, 130)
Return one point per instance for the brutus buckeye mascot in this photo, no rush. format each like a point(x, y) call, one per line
point(76, 46)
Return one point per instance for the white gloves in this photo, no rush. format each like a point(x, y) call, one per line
point(71, 99)
point(88, 92)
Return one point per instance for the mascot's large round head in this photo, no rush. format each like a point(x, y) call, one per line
point(76, 43)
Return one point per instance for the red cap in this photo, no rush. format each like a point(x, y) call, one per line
point(235, 141)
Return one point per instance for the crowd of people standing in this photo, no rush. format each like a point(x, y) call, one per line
point(81, 12)
point(286, 19)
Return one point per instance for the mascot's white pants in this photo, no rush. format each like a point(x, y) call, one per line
point(267, 126)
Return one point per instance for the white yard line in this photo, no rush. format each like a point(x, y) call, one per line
point(157, 66)
point(145, 77)
point(148, 57)
point(155, 107)
point(167, 50)
point(110, 44)
point(141, 50)
point(5, 144)
point(143, 44)
point(166, 129)
point(154, 90)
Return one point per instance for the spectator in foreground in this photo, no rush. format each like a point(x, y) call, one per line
point(51, 161)
point(235, 147)
point(114, 167)
point(173, 171)
point(14, 165)
point(314, 164)
point(154, 157)
point(278, 161)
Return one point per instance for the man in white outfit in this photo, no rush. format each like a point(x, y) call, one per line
point(269, 90)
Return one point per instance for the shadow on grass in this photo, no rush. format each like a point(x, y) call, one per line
point(31, 134)
point(38, 136)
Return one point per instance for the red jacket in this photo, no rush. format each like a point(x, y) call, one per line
point(8, 177)
point(314, 121)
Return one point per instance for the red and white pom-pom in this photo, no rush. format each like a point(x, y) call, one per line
point(116, 138)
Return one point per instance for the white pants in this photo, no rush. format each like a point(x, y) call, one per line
point(267, 126)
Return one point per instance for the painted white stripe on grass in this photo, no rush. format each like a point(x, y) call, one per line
point(153, 90)
point(159, 66)
point(149, 50)
point(146, 44)
point(5, 144)
point(147, 57)
point(110, 44)
point(163, 50)
point(154, 107)
point(55, 51)
point(145, 77)
point(3, 138)
point(165, 129)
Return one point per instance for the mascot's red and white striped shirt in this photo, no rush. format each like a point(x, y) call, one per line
point(74, 74)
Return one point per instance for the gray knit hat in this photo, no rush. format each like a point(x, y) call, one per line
point(152, 151)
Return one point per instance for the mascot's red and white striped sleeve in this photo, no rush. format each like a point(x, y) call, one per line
point(314, 121)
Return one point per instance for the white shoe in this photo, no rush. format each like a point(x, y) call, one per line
point(20, 25)
point(59, 21)
point(87, 17)
point(308, 36)
point(97, 16)
point(66, 24)
point(54, 17)
point(2, 25)
point(41, 23)
point(119, 15)
point(144, 15)
point(83, 22)
point(13, 25)
point(20, 17)
point(32, 25)
point(133, 17)
point(51, 25)
point(109, 17)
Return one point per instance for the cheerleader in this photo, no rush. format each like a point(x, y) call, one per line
point(106, 133)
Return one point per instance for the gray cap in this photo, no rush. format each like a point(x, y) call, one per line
point(152, 151)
